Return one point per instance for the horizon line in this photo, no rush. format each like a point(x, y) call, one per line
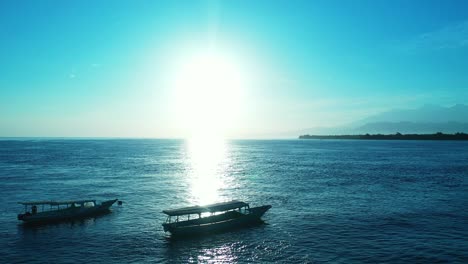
point(112, 138)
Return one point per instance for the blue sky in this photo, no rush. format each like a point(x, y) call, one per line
point(107, 68)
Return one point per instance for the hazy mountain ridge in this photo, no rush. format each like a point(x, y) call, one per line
point(425, 120)
point(411, 127)
point(425, 114)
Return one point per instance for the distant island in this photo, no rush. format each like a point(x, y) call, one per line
point(397, 136)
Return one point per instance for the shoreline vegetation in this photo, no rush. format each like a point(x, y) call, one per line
point(397, 136)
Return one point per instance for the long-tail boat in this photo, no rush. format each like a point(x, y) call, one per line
point(212, 218)
point(52, 211)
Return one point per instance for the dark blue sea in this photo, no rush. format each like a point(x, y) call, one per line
point(339, 201)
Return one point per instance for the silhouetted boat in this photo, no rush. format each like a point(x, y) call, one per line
point(62, 210)
point(221, 217)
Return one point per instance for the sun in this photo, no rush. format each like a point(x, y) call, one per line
point(208, 91)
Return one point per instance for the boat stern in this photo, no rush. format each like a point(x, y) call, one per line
point(21, 216)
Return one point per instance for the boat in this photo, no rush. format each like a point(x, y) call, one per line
point(212, 218)
point(53, 211)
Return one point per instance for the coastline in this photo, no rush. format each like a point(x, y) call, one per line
point(397, 136)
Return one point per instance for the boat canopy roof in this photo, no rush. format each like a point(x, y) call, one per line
point(56, 202)
point(217, 207)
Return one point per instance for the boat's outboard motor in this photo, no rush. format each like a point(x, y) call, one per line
point(20, 216)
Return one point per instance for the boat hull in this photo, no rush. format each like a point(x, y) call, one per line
point(231, 223)
point(67, 214)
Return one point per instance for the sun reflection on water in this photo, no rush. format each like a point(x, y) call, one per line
point(208, 160)
point(220, 254)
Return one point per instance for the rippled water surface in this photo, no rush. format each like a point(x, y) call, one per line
point(333, 201)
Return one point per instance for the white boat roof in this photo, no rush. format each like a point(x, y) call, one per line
point(217, 207)
point(56, 202)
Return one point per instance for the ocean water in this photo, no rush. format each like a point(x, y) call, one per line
point(339, 201)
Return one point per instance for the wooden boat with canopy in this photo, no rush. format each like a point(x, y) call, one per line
point(52, 211)
point(197, 220)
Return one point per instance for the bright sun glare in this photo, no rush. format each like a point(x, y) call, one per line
point(207, 164)
point(208, 88)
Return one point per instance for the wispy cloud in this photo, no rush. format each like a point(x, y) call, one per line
point(449, 37)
